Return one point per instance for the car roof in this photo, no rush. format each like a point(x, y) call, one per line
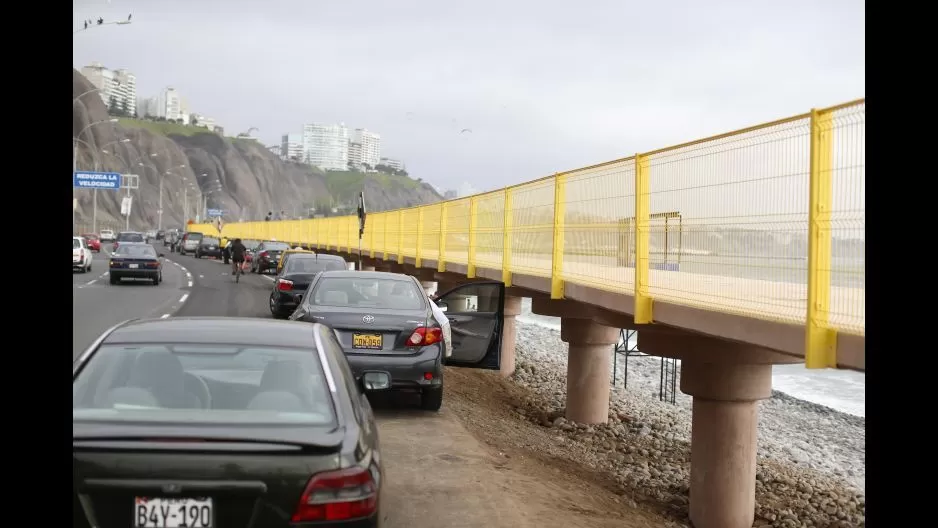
point(130, 233)
point(366, 275)
point(126, 244)
point(215, 330)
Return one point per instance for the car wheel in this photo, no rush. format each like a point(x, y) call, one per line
point(89, 266)
point(156, 280)
point(431, 399)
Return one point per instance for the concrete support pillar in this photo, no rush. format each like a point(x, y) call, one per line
point(368, 268)
point(588, 366)
point(509, 331)
point(723, 440)
point(428, 286)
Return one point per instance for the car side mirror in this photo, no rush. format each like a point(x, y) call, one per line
point(375, 380)
point(442, 306)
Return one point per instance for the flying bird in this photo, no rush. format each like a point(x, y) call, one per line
point(465, 130)
point(100, 20)
point(86, 24)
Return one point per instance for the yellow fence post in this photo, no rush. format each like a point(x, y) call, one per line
point(556, 267)
point(400, 237)
point(418, 257)
point(471, 253)
point(441, 258)
point(643, 301)
point(820, 338)
point(506, 247)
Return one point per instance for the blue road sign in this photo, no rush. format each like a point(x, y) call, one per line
point(212, 213)
point(97, 180)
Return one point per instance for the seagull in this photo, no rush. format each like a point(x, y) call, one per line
point(466, 130)
point(86, 24)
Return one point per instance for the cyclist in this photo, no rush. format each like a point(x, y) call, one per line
point(237, 255)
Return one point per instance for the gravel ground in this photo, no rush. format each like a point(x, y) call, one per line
point(812, 459)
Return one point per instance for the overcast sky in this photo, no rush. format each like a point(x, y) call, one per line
point(544, 85)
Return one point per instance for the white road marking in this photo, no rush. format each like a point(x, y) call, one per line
point(268, 277)
point(201, 276)
point(164, 316)
point(183, 298)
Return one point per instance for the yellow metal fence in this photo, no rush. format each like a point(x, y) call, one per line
point(767, 222)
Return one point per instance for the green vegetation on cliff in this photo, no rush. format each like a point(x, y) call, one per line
point(163, 128)
point(344, 186)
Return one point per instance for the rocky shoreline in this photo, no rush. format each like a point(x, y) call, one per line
point(811, 458)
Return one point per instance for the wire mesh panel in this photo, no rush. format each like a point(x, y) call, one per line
point(848, 220)
point(490, 229)
point(430, 231)
point(597, 240)
point(457, 231)
point(532, 227)
point(743, 202)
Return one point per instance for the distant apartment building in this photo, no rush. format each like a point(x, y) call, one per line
point(169, 104)
point(370, 146)
point(291, 147)
point(202, 121)
point(276, 150)
point(326, 146)
point(119, 86)
point(395, 164)
point(355, 154)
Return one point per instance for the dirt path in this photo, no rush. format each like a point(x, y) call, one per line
point(477, 464)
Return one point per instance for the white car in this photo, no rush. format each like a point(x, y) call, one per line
point(106, 235)
point(81, 254)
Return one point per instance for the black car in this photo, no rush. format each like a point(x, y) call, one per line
point(135, 260)
point(266, 256)
point(223, 422)
point(209, 247)
point(297, 273)
point(384, 321)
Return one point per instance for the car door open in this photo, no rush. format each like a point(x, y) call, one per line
point(475, 313)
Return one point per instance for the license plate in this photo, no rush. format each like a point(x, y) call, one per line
point(368, 341)
point(133, 266)
point(172, 513)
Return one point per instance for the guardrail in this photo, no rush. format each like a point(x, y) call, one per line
point(766, 222)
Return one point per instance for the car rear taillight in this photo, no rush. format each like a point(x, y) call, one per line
point(341, 495)
point(284, 285)
point(424, 336)
point(153, 264)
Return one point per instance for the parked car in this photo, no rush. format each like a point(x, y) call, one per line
point(295, 276)
point(223, 422)
point(81, 255)
point(384, 321)
point(208, 247)
point(189, 243)
point(94, 243)
point(267, 255)
point(107, 235)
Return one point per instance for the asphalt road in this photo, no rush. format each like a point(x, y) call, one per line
point(97, 305)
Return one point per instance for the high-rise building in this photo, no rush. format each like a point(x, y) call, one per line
point(291, 147)
point(326, 146)
point(117, 86)
point(370, 146)
point(355, 154)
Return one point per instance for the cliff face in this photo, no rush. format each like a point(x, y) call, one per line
point(239, 176)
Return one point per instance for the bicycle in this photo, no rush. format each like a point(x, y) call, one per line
point(239, 269)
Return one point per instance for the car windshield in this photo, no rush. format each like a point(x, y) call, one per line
point(210, 240)
point(307, 263)
point(141, 251)
point(76, 244)
point(251, 244)
point(194, 236)
point(276, 246)
point(217, 384)
point(130, 237)
point(362, 292)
